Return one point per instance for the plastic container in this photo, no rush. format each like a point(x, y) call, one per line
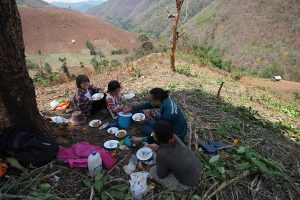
point(94, 163)
point(124, 120)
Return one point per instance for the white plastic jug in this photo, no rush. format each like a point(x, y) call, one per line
point(94, 163)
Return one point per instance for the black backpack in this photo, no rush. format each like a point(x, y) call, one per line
point(27, 147)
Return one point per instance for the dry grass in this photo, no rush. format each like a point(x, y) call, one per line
point(196, 94)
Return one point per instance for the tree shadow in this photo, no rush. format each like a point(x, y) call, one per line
point(212, 118)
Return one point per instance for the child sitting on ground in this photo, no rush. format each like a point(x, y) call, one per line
point(114, 101)
point(177, 167)
point(83, 97)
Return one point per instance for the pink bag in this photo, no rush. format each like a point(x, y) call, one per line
point(77, 154)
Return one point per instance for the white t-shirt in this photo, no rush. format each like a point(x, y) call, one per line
point(88, 95)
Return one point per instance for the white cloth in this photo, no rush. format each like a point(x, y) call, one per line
point(88, 95)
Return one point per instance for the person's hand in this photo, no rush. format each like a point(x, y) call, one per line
point(127, 109)
point(135, 140)
point(123, 100)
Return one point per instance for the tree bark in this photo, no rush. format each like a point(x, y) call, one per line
point(175, 34)
point(18, 105)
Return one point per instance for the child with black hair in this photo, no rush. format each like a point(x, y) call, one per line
point(114, 101)
point(83, 97)
point(177, 167)
point(168, 111)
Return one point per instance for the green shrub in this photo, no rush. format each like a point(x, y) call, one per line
point(91, 47)
point(228, 66)
point(143, 38)
point(297, 94)
point(46, 79)
point(236, 75)
point(115, 63)
point(206, 17)
point(271, 70)
point(48, 68)
point(295, 74)
point(183, 69)
point(120, 51)
point(215, 57)
point(30, 64)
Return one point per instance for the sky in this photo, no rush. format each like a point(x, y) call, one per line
point(71, 1)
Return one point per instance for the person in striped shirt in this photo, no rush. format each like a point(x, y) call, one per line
point(114, 101)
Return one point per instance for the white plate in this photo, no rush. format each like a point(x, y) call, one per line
point(111, 144)
point(116, 134)
point(112, 130)
point(138, 117)
point(91, 124)
point(128, 96)
point(144, 153)
point(97, 96)
point(59, 119)
point(54, 104)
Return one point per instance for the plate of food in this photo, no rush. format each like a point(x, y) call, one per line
point(144, 153)
point(95, 123)
point(120, 134)
point(138, 117)
point(111, 144)
point(97, 96)
point(112, 130)
point(128, 96)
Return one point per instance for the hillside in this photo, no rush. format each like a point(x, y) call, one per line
point(266, 153)
point(147, 15)
point(254, 35)
point(52, 31)
point(33, 3)
point(259, 36)
point(79, 6)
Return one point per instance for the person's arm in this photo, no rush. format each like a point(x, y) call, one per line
point(142, 106)
point(83, 104)
point(166, 115)
point(111, 104)
point(162, 168)
point(95, 90)
point(148, 139)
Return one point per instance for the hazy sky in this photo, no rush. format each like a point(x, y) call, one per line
point(71, 1)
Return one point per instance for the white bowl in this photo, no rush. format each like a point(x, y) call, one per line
point(59, 119)
point(97, 96)
point(138, 117)
point(111, 144)
point(54, 104)
point(112, 130)
point(93, 122)
point(144, 153)
point(117, 133)
point(128, 96)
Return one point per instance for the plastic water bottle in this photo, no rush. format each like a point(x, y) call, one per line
point(94, 163)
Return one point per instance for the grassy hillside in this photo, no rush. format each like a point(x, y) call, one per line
point(264, 163)
point(147, 15)
point(33, 3)
point(259, 36)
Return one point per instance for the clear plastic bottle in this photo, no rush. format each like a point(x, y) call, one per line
point(94, 163)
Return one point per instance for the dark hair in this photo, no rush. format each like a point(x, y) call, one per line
point(163, 131)
point(159, 94)
point(113, 85)
point(81, 79)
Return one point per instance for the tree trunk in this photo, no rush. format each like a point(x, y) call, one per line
point(175, 34)
point(18, 105)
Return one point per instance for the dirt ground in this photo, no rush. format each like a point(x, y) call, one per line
point(283, 88)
